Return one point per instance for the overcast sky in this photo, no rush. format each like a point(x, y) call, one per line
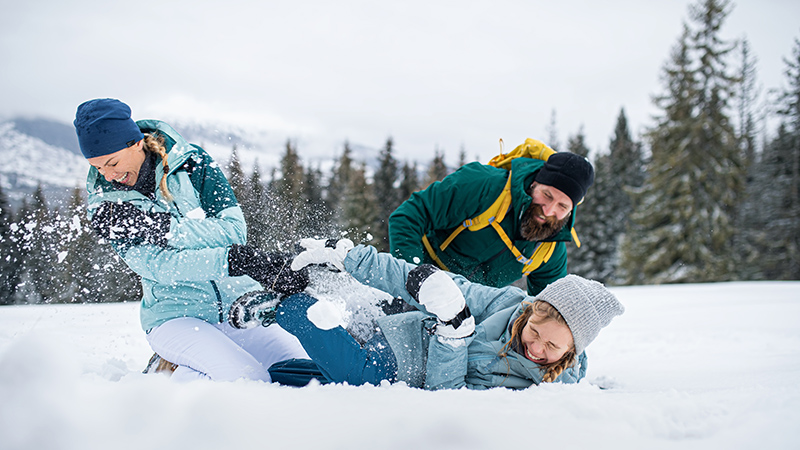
point(431, 74)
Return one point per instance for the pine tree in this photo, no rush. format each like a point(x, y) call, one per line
point(462, 157)
point(410, 183)
point(337, 186)
point(359, 207)
point(288, 201)
point(577, 144)
point(770, 219)
point(593, 259)
point(626, 174)
point(259, 212)
point(552, 132)
point(684, 219)
point(746, 99)
point(386, 195)
point(317, 215)
point(37, 243)
point(790, 111)
point(9, 255)
point(236, 177)
point(771, 216)
point(437, 169)
point(88, 270)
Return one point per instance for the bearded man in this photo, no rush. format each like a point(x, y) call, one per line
point(541, 215)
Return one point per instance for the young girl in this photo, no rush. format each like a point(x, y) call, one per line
point(168, 211)
point(464, 334)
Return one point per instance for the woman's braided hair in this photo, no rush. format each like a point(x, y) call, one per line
point(155, 144)
point(544, 312)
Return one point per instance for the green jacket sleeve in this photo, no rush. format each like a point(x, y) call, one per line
point(443, 205)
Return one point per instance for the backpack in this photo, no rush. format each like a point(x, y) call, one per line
point(495, 214)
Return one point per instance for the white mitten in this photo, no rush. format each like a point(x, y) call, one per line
point(440, 295)
point(466, 328)
point(317, 253)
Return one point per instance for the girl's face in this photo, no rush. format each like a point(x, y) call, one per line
point(546, 341)
point(122, 166)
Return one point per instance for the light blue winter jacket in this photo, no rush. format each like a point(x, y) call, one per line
point(188, 277)
point(427, 361)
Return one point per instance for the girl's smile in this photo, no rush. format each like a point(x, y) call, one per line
point(545, 342)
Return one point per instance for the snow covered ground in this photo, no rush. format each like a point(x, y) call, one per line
point(687, 366)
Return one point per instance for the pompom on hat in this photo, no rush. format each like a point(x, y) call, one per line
point(568, 172)
point(586, 305)
point(104, 126)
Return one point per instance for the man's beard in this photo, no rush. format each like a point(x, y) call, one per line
point(532, 230)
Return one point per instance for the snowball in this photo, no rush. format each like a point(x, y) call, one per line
point(325, 315)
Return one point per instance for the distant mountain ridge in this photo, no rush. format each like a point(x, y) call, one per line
point(50, 132)
point(43, 151)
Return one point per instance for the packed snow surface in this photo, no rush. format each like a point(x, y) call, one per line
point(686, 367)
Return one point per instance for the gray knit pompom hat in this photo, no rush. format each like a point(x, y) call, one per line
point(586, 305)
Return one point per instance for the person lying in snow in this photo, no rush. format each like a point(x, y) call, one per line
point(463, 333)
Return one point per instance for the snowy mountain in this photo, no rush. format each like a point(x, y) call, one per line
point(30, 160)
point(46, 152)
point(697, 366)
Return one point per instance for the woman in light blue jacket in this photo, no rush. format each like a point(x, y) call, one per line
point(169, 212)
point(463, 334)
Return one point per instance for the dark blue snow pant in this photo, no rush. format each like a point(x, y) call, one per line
point(337, 354)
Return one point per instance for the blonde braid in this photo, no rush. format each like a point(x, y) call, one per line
point(155, 144)
point(558, 367)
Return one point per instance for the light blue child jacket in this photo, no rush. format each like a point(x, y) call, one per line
point(425, 360)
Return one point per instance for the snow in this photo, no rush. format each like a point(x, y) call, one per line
point(687, 366)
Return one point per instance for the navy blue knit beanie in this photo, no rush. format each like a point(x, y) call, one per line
point(104, 126)
point(569, 173)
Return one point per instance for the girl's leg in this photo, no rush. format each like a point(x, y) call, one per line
point(267, 345)
point(204, 348)
point(334, 350)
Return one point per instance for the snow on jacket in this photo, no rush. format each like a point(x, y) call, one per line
point(427, 361)
point(480, 256)
point(188, 277)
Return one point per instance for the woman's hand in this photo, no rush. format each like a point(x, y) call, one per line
point(123, 220)
point(271, 270)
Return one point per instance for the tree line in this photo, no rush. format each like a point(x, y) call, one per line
point(706, 194)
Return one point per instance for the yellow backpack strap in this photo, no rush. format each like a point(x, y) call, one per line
point(575, 237)
point(540, 256)
point(431, 252)
point(495, 212)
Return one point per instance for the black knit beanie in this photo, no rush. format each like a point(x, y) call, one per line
point(569, 173)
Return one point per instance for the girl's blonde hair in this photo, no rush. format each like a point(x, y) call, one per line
point(544, 312)
point(155, 143)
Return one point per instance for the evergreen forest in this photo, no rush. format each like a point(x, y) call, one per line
point(709, 193)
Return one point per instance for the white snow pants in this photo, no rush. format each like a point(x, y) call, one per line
point(221, 352)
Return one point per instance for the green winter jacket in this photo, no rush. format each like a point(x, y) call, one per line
point(426, 361)
point(188, 277)
point(480, 256)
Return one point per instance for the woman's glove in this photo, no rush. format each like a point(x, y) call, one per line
point(123, 220)
point(440, 295)
point(320, 251)
point(269, 269)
